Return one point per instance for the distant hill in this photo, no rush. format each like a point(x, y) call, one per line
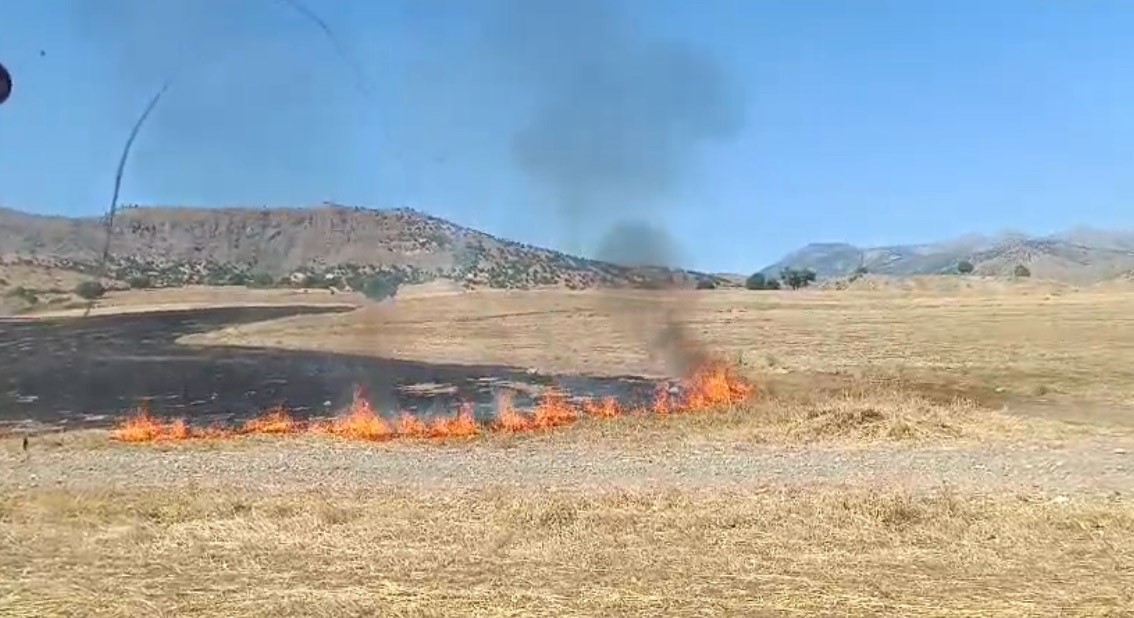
point(176, 246)
point(1081, 255)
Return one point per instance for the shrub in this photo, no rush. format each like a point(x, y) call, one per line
point(381, 286)
point(706, 284)
point(1022, 271)
point(90, 290)
point(260, 280)
point(139, 282)
point(965, 267)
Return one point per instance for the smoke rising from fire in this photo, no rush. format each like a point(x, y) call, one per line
point(617, 117)
point(616, 121)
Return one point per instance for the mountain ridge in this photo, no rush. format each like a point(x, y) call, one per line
point(189, 245)
point(1080, 255)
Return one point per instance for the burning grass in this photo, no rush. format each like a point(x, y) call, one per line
point(714, 387)
point(808, 551)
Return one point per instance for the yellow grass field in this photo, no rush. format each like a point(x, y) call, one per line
point(928, 449)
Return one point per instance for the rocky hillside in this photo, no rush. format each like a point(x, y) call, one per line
point(1080, 255)
point(176, 246)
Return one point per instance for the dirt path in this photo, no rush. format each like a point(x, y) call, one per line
point(1085, 467)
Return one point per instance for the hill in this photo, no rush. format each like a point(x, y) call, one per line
point(263, 246)
point(1081, 256)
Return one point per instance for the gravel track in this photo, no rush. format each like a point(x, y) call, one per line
point(1091, 467)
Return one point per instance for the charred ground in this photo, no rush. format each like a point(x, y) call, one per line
point(91, 371)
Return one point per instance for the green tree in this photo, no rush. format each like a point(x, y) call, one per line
point(797, 278)
point(757, 281)
point(706, 284)
point(381, 286)
point(965, 267)
point(90, 290)
point(1022, 271)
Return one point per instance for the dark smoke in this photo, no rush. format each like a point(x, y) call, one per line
point(638, 244)
point(617, 119)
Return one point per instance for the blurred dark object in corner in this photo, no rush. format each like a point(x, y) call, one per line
point(5, 84)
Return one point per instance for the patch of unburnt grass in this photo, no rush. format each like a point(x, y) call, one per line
point(497, 552)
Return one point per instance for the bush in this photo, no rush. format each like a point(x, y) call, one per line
point(758, 281)
point(381, 286)
point(796, 279)
point(28, 296)
point(139, 282)
point(90, 290)
point(706, 284)
point(965, 267)
point(1022, 271)
point(260, 280)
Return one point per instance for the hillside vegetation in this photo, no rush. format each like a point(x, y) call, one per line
point(158, 247)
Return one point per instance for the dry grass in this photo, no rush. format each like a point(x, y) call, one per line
point(201, 297)
point(1078, 344)
point(835, 368)
point(499, 553)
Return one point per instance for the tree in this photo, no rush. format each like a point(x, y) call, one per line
point(756, 282)
point(706, 284)
point(90, 290)
point(1022, 271)
point(965, 267)
point(796, 279)
point(381, 286)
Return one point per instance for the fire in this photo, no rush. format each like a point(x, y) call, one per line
point(462, 425)
point(605, 408)
point(714, 386)
point(275, 421)
point(508, 419)
point(553, 410)
point(360, 422)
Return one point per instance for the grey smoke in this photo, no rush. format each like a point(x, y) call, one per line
point(639, 244)
point(617, 116)
point(616, 119)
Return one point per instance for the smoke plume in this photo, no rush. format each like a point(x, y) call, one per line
point(617, 118)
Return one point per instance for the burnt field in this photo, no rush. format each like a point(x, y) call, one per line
point(88, 372)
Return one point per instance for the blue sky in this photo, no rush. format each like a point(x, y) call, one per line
point(864, 121)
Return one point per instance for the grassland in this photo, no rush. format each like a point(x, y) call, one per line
point(913, 452)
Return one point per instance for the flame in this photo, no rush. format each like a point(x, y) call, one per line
point(508, 419)
point(605, 408)
point(553, 410)
point(461, 425)
point(360, 422)
point(141, 427)
point(712, 387)
point(274, 421)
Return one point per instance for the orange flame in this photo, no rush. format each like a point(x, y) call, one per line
point(712, 387)
point(360, 422)
point(462, 425)
point(274, 421)
point(553, 410)
point(605, 408)
point(508, 419)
